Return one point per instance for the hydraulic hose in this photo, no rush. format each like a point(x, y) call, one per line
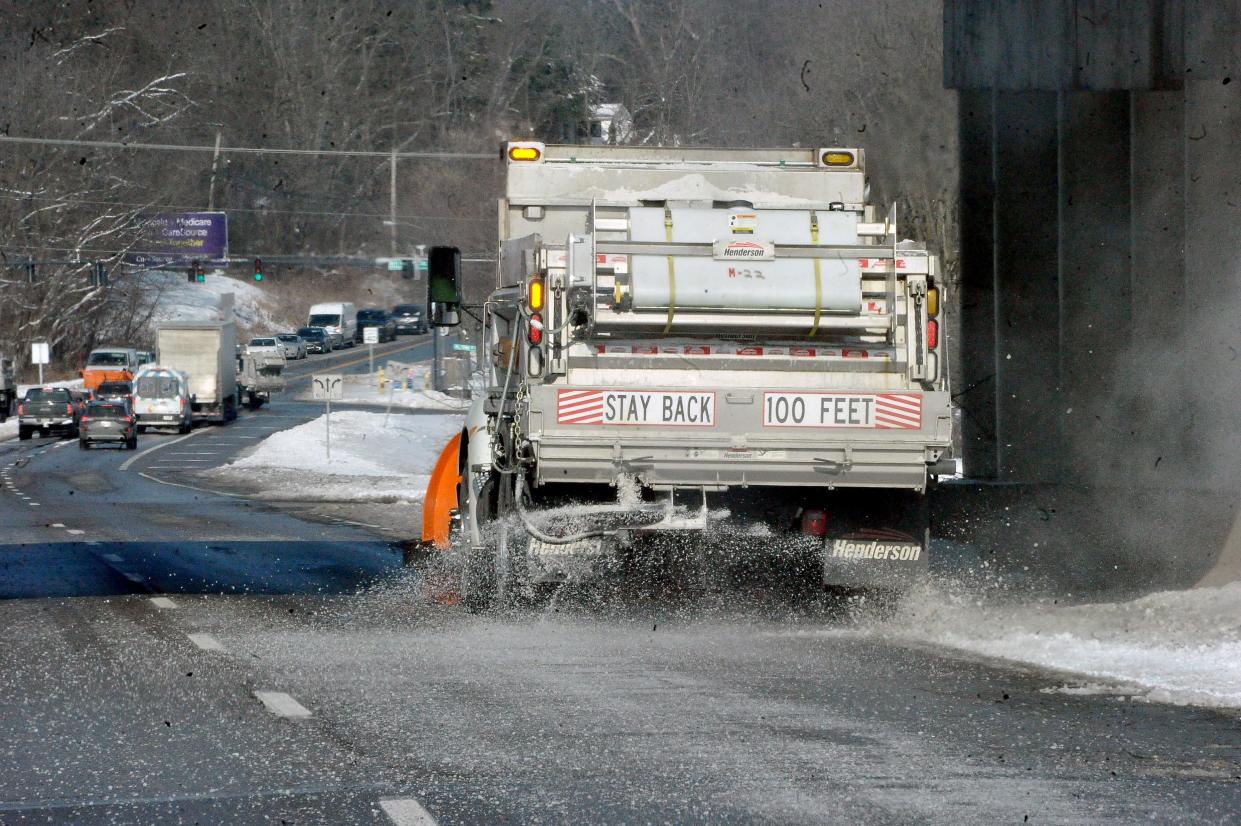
point(539, 534)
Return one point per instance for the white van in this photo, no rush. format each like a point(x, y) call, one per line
point(162, 398)
point(339, 318)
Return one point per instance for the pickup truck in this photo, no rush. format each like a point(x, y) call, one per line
point(49, 410)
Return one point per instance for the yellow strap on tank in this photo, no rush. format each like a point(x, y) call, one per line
point(672, 274)
point(818, 277)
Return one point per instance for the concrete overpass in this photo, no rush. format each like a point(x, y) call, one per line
point(1101, 253)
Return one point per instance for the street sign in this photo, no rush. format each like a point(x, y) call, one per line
point(328, 386)
point(464, 348)
point(395, 265)
point(40, 353)
point(370, 335)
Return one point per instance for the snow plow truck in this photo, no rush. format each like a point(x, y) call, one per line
point(731, 337)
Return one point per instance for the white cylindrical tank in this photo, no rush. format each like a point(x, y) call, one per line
point(782, 284)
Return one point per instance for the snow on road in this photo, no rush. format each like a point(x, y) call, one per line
point(1180, 647)
point(370, 462)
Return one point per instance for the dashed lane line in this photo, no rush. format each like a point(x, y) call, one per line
point(132, 577)
point(206, 642)
point(75, 531)
point(407, 811)
point(163, 602)
point(113, 558)
point(187, 487)
point(57, 525)
point(282, 704)
point(125, 465)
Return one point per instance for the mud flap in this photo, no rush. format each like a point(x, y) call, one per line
point(865, 560)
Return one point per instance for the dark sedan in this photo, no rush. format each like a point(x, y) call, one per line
point(108, 422)
point(375, 317)
point(317, 339)
point(408, 319)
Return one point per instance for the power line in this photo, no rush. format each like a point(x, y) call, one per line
point(144, 205)
point(254, 150)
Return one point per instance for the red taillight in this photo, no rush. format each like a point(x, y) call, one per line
point(69, 409)
point(181, 403)
point(85, 419)
point(129, 420)
point(932, 334)
point(536, 328)
point(814, 522)
point(21, 410)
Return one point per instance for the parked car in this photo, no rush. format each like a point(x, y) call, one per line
point(317, 339)
point(294, 345)
point(113, 391)
point(106, 421)
point(408, 319)
point(47, 410)
point(146, 357)
point(162, 399)
point(376, 317)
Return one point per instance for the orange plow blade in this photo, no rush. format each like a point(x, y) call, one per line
point(441, 497)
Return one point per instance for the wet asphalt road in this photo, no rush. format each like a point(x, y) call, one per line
point(135, 657)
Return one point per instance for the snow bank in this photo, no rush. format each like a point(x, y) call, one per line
point(411, 390)
point(1180, 647)
point(370, 462)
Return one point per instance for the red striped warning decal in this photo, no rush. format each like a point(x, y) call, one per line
point(881, 411)
point(666, 408)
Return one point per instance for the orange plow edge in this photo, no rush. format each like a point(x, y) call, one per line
point(441, 496)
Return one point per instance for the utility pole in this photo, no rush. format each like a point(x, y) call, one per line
point(215, 160)
point(392, 198)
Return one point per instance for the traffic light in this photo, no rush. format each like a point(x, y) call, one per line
point(195, 273)
point(258, 269)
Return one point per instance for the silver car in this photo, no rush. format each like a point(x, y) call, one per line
point(294, 345)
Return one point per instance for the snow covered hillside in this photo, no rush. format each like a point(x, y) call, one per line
point(178, 300)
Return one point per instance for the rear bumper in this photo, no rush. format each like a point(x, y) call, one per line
point(735, 449)
point(105, 436)
point(46, 424)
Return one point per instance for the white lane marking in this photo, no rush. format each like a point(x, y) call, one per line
point(163, 602)
point(188, 487)
point(74, 531)
point(206, 642)
point(33, 504)
point(125, 465)
point(407, 812)
point(58, 524)
point(197, 453)
point(282, 704)
point(92, 542)
point(131, 576)
point(113, 558)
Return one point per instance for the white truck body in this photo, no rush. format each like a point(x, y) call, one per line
point(206, 352)
point(339, 318)
point(260, 372)
point(735, 323)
